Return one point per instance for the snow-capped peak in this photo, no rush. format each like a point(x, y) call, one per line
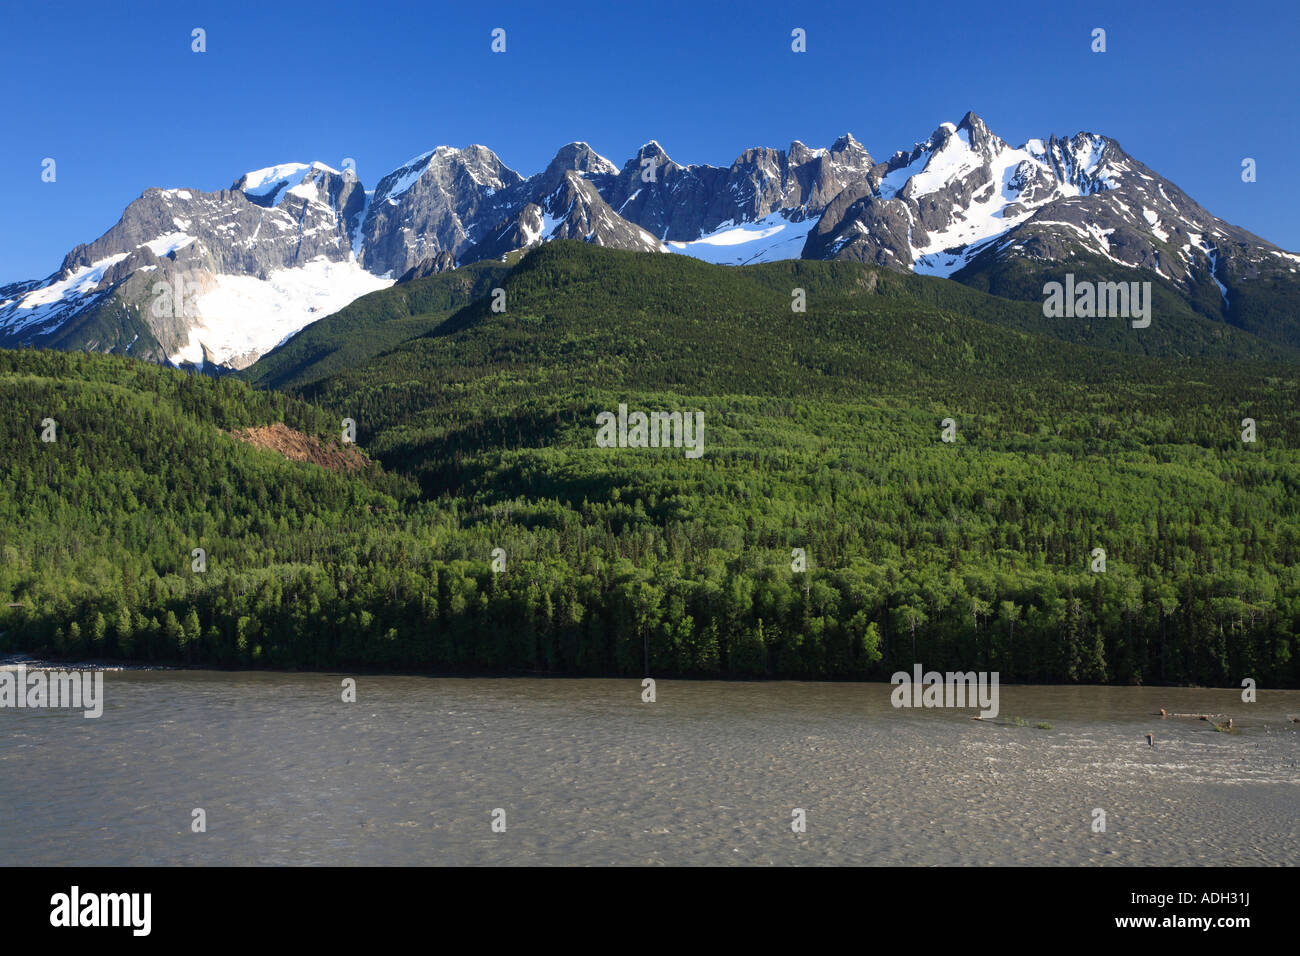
point(257, 268)
point(267, 183)
point(479, 163)
point(596, 163)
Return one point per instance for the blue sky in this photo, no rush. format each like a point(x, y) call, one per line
point(121, 103)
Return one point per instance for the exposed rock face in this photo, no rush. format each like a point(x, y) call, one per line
point(563, 202)
point(144, 286)
point(219, 278)
point(683, 203)
point(965, 200)
point(441, 262)
point(443, 200)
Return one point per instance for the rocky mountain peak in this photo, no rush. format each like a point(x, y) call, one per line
point(288, 243)
point(577, 157)
point(846, 144)
point(652, 150)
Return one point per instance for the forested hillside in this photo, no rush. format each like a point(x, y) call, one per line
point(373, 324)
point(823, 432)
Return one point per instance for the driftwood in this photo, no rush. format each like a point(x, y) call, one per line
point(1165, 713)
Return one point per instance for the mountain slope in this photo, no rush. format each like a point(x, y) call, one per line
point(965, 204)
point(372, 324)
point(588, 318)
point(204, 278)
point(384, 319)
point(216, 279)
point(820, 431)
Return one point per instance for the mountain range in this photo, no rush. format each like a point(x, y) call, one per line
point(218, 279)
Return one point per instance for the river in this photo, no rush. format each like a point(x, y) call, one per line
point(411, 772)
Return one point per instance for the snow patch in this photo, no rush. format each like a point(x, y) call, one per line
point(769, 239)
point(1153, 220)
point(44, 303)
point(411, 173)
point(954, 160)
point(307, 191)
point(165, 245)
point(243, 317)
point(261, 183)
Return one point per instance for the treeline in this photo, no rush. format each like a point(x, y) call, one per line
point(860, 622)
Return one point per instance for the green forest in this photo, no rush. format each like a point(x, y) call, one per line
point(827, 532)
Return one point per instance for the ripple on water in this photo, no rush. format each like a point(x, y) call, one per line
point(587, 774)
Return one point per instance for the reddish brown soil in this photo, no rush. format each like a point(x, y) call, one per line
point(296, 446)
